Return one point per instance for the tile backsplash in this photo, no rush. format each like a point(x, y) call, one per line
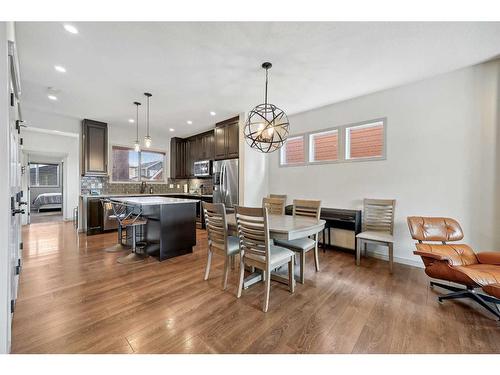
point(102, 185)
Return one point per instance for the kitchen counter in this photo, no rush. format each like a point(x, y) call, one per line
point(152, 200)
point(145, 195)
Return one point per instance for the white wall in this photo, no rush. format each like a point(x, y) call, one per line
point(254, 176)
point(442, 156)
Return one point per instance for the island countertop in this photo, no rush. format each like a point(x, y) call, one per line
point(153, 200)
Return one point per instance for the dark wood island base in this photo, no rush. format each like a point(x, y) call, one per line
point(171, 225)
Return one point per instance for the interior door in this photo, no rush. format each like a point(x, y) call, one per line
point(16, 196)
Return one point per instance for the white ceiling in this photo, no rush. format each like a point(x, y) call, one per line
point(192, 68)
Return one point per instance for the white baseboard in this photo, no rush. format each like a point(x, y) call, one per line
point(417, 262)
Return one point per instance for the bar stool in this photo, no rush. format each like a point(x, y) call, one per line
point(129, 216)
point(119, 212)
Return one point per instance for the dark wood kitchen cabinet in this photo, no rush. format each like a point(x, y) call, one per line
point(192, 155)
point(178, 158)
point(94, 148)
point(95, 219)
point(227, 139)
point(206, 146)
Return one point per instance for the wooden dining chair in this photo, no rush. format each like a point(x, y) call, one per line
point(377, 227)
point(257, 250)
point(282, 196)
point(306, 208)
point(219, 242)
point(275, 206)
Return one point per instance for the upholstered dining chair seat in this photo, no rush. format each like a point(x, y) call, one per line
point(376, 236)
point(300, 244)
point(233, 245)
point(277, 254)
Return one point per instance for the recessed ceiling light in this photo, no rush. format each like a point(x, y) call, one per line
point(131, 120)
point(212, 113)
point(71, 29)
point(171, 129)
point(189, 122)
point(60, 68)
point(52, 97)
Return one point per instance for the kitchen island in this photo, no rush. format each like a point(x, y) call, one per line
point(171, 224)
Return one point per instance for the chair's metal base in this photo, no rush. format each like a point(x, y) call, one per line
point(132, 258)
point(115, 248)
point(488, 302)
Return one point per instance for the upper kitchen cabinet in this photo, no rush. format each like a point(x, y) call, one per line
point(94, 148)
point(178, 158)
point(227, 139)
point(206, 146)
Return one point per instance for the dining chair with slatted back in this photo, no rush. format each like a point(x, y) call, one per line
point(377, 227)
point(282, 196)
point(219, 242)
point(304, 208)
point(275, 206)
point(257, 250)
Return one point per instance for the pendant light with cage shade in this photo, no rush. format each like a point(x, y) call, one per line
point(137, 145)
point(267, 126)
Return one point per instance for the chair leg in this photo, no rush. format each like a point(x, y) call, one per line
point(316, 256)
point(242, 277)
point(233, 262)
point(134, 239)
point(391, 256)
point(226, 272)
point(455, 295)
point(479, 300)
point(365, 248)
point(358, 251)
point(302, 266)
point(209, 261)
point(268, 291)
point(445, 286)
point(291, 276)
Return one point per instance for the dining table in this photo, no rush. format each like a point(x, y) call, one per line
point(281, 227)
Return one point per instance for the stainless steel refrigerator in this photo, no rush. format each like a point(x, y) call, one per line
point(225, 176)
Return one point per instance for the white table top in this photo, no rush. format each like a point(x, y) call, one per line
point(286, 227)
point(152, 201)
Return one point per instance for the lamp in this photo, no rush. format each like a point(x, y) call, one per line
point(266, 127)
point(137, 145)
point(147, 138)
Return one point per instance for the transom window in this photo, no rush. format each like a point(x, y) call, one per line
point(293, 151)
point(132, 166)
point(354, 142)
point(324, 146)
point(365, 141)
point(44, 175)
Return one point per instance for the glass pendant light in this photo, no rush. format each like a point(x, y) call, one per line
point(137, 145)
point(147, 138)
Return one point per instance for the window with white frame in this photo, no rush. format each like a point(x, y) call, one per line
point(324, 146)
point(132, 166)
point(44, 175)
point(293, 151)
point(364, 141)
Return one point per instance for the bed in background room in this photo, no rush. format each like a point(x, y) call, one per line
point(47, 201)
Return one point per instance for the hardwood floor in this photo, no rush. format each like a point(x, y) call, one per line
point(75, 298)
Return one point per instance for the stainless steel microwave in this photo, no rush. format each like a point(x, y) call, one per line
point(203, 168)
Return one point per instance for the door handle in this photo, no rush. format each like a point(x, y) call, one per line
point(17, 211)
